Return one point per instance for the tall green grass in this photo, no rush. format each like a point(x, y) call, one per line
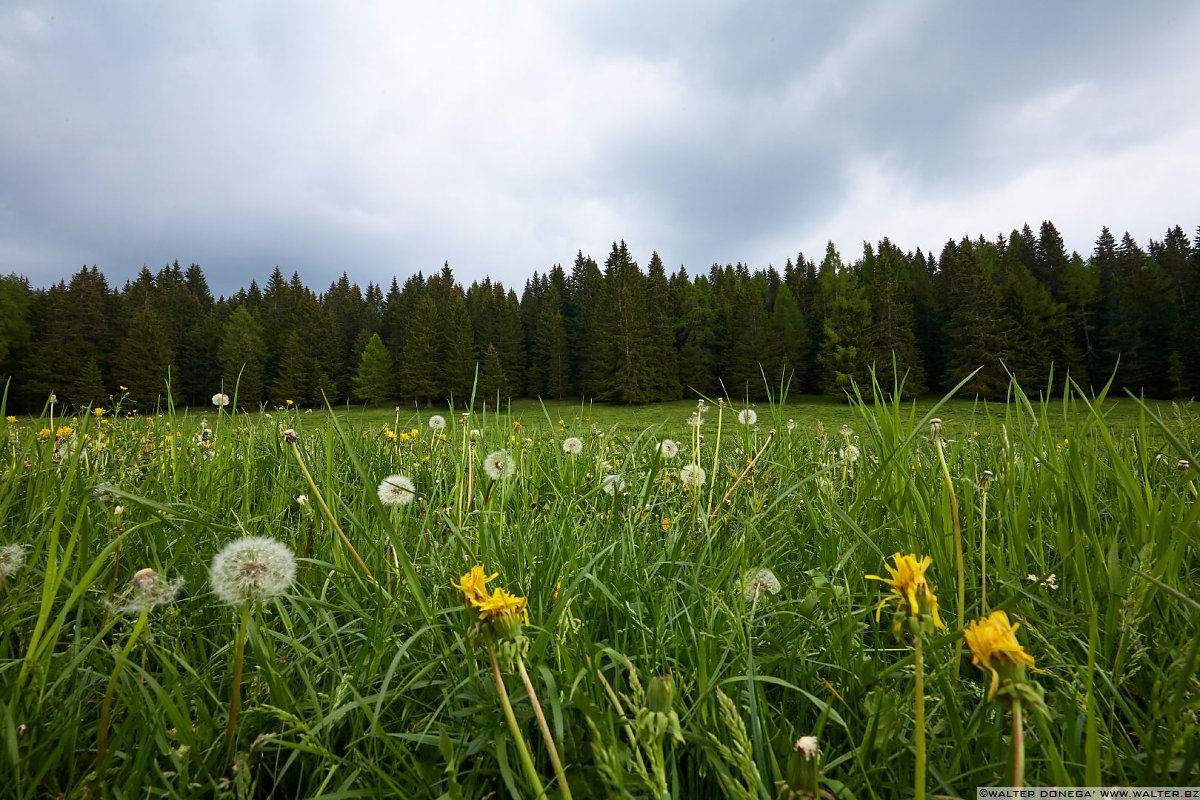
point(360, 686)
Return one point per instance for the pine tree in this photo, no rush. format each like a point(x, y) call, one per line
point(418, 366)
point(977, 334)
point(493, 384)
point(623, 334)
point(664, 383)
point(896, 359)
point(373, 381)
point(787, 340)
point(241, 356)
point(695, 333)
point(549, 347)
point(144, 359)
point(582, 314)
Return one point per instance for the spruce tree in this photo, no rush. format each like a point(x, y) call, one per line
point(623, 366)
point(373, 380)
point(241, 356)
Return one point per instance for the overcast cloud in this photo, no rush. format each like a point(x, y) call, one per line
point(384, 138)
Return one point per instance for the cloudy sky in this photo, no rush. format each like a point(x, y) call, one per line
point(382, 138)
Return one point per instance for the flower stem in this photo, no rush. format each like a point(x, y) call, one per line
point(919, 691)
point(522, 749)
point(329, 514)
point(1018, 744)
point(983, 553)
point(111, 689)
point(958, 553)
point(235, 693)
point(563, 787)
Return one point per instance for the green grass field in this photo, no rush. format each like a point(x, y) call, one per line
point(369, 677)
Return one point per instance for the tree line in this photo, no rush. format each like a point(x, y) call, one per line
point(615, 332)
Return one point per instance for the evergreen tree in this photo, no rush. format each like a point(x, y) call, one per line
point(664, 383)
point(417, 368)
point(977, 333)
point(895, 357)
point(493, 384)
point(623, 368)
point(143, 360)
point(582, 314)
point(549, 347)
point(787, 340)
point(846, 345)
point(373, 381)
point(695, 333)
point(241, 356)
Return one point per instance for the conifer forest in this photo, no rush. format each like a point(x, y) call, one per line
point(619, 332)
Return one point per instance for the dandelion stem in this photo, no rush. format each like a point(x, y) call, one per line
point(749, 466)
point(1018, 744)
point(111, 689)
point(958, 552)
point(329, 514)
point(235, 692)
point(522, 749)
point(919, 698)
point(559, 772)
point(982, 553)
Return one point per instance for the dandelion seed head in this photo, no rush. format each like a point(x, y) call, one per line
point(499, 465)
point(290, 436)
point(668, 449)
point(395, 490)
point(850, 453)
point(220, 399)
point(791, 424)
point(759, 582)
point(572, 445)
point(148, 590)
point(613, 484)
point(747, 416)
point(807, 746)
point(692, 475)
point(437, 422)
point(251, 570)
point(12, 558)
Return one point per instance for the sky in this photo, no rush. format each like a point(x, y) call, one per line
point(382, 138)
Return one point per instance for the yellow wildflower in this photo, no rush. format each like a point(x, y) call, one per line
point(63, 430)
point(666, 524)
point(993, 643)
point(44, 433)
point(501, 605)
point(289, 402)
point(413, 433)
point(99, 412)
point(473, 585)
point(911, 593)
point(123, 388)
point(389, 434)
point(10, 419)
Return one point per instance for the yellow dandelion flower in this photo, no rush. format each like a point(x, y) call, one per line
point(123, 388)
point(99, 412)
point(473, 585)
point(44, 433)
point(665, 524)
point(10, 419)
point(413, 433)
point(63, 430)
point(993, 643)
point(909, 590)
point(501, 605)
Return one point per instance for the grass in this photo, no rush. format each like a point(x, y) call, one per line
point(369, 682)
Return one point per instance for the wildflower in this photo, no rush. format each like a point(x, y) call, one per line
point(220, 399)
point(747, 416)
point(44, 433)
point(64, 431)
point(695, 420)
point(473, 585)
point(1051, 581)
point(692, 475)
point(994, 647)
point(668, 449)
point(757, 582)
point(396, 490)
point(1183, 465)
point(389, 434)
point(251, 570)
point(791, 424)
point(846, 432)
point(437, 422)
point(118, 510)
point(935, 426)
point(302, 499)
point(807, 746)
point(148, 591)
point(502, 604)
point(572, 446)
point(10, 419)
point(288, 403)
point(850, 453)
point(12, 558)
point(665, 524)
point(613, 484)
point(290, 436)
point(499, 465)
point(911, 593)
point(476, 433)
point(99, 412)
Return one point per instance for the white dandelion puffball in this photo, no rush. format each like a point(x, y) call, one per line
point(850, 453)
point(397, 490)
point(695, 420)
point(437, 422)
point(692, 475)
point(747, 416)
point(668, 449)
point(807, 746)
point(791, 424)
point(613, 484)
point(252, 569)
point(758, 583)
point(572, 445)
point(148, 590)
point(12, 558)
point(220, 399)
point(499, 465)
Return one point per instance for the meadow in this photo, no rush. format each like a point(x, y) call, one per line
point(685, 622)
